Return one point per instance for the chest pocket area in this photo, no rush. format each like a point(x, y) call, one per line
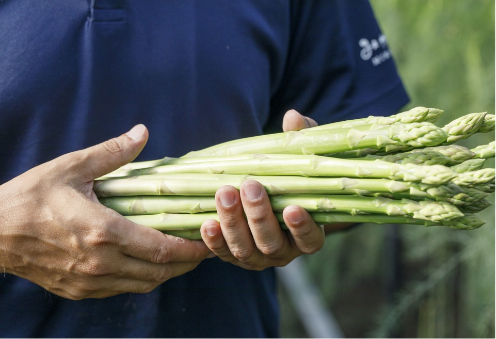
point(107, 11)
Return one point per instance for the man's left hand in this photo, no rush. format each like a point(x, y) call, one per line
point(249, 235)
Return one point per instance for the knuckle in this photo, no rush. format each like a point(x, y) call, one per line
point(163, 254)
point(146, 288)
point(164, 274)
point(242, 254)
point(311, 249)
point(216, 247)
point(257, 216)
point(272, 249)
point(302, 231)
point(113, 146)
point(96, 268)
point(285, 262)
point(229, 221)
point(308, 239)
point(79, 290)
point(76, 295)
point(98, 236)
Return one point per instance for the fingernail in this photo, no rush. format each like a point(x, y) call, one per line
point(294, 215)
point(252, 191)
point(227, 198)
point(211, 230)
point(136, 132)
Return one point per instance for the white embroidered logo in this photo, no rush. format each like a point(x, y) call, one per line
point(369, 48)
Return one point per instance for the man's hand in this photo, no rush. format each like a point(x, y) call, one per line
point(55, 233)
point(257, 241)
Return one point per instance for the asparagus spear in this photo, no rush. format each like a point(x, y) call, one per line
point(310, 165)
point(456, 153)
point(454, 194)
point(421, 157)
point(466, 196)
point(469, 165)
point(417, 114)
point(208, 184)
point(426, 210)
point(484, 151)
point(173, 222)
point(464, 126)
point(488, 188)
point(395, 136)
point(188, 225)
point(468, 221)
point(481, 205)
point(356, 153)
point(488, 124)
point(136, 205)
point(480, 177)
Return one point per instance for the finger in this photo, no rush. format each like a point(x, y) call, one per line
point(233, 224)
point(112, 154)
point(138, 285)
point(212, 236)
point(268, 236)
point(294, 121)
point(153, 246)
point(132, 268)
point(307, 235)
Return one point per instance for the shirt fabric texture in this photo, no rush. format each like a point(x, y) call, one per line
point(196, 73)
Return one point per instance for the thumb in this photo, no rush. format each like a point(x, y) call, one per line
point(294, 121)
point(114, 153)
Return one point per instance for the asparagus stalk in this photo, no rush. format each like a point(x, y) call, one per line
point(141, 203)
point(136, 205)
point(356, 153)
point(488, 188)
point(484, 151)
point(481, 205)
point(188, 225)
point(454, 194)
point(422, 157)
point(480, 177)
point(466, 196)
point(464, 126)
point(467, 222)
point(488, 124)
point(417, 114)
point(469, 165)
point(425, 210)
point(208, 184)
point(456, 153)
point(173, 222)
point(310, 165)
point(395, 136)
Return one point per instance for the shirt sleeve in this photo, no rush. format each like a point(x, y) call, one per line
point(339, 66)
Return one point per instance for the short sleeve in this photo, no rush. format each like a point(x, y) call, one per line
point(339, 66)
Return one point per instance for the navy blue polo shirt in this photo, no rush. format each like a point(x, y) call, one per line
point(196, 73)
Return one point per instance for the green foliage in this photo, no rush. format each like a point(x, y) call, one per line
point(444, 51)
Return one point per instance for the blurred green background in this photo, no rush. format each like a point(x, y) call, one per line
point(410, 281)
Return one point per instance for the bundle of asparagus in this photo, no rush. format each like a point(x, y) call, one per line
point(398, 169)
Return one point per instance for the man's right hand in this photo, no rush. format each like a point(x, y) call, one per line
point(55, 233)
